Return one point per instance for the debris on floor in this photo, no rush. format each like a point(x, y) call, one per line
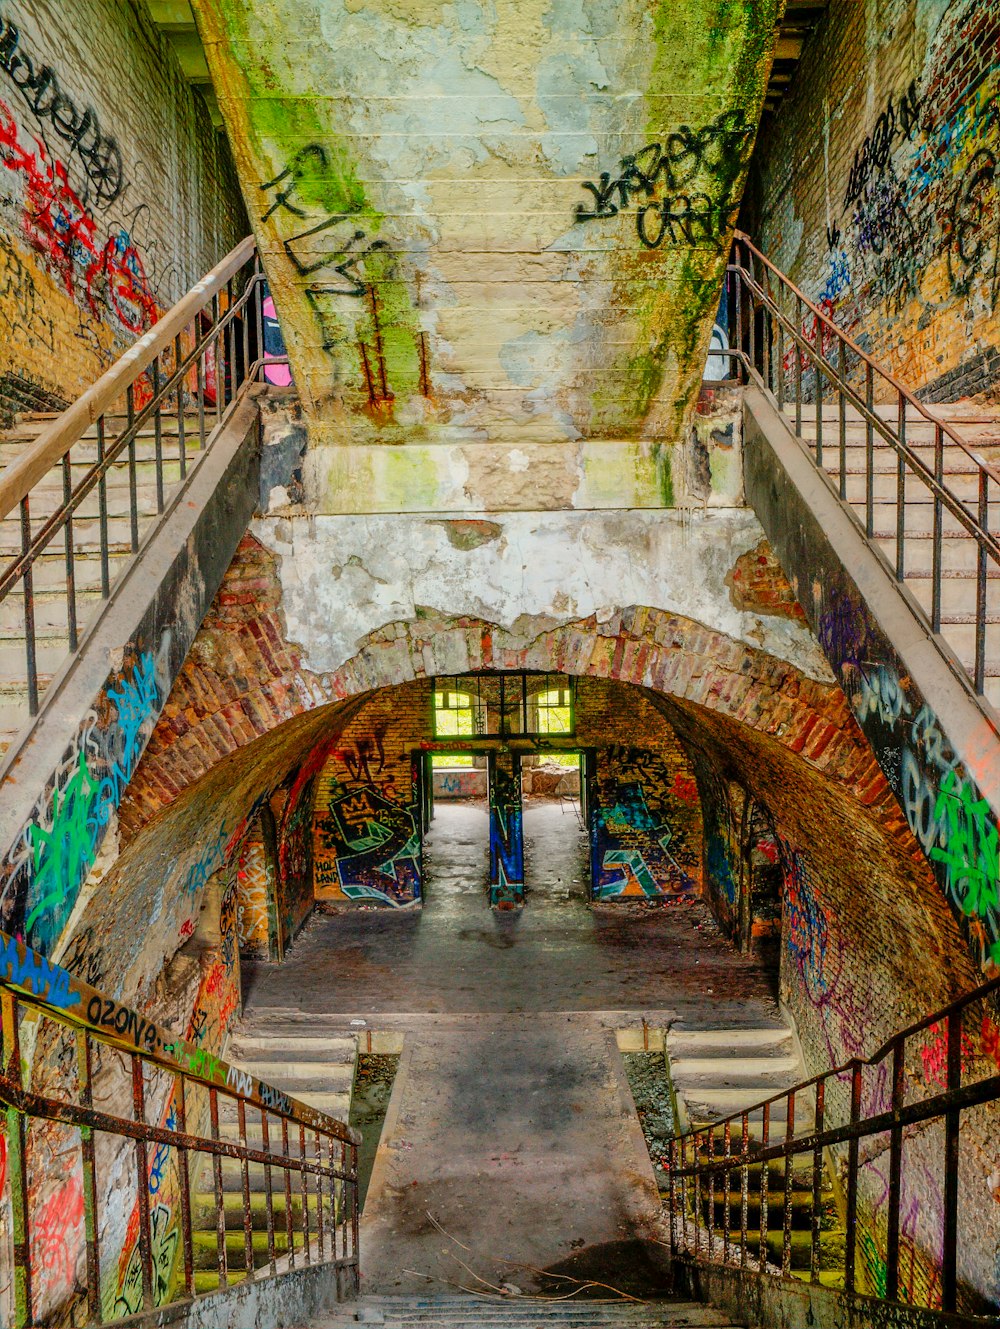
point(650, 1085)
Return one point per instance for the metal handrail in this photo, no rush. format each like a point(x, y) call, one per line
point(760, 296)
point(694, 1233)
point(216, 329)
point(322, 1148)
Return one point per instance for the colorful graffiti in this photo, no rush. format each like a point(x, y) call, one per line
point(57, 848)
point(945, 809)
point(506, 831)
point(641, 827)
point(374, 843)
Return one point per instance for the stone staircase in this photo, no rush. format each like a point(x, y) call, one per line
point(309, 1062)
point(718, 1072)
point(443, 1311)
point(49, 573)
point(979, 427)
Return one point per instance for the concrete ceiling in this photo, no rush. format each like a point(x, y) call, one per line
point(493, 218)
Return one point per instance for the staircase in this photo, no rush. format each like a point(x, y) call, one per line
point(309, 1062)
point(158, 471)
point(443, 1311)
point(979, 427)
point(716, 1073)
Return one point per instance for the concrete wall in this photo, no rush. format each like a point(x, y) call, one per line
point(494, 232)
point(876, 188)
point(116, 194)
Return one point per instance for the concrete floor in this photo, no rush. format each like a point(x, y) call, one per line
point(511, 1125)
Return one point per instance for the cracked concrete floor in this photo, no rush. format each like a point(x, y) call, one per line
point(511, 1125)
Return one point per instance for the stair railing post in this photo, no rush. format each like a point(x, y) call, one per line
point(90, 1215)
point(895, 1175)
point(27, 583)
point(241, 1112)
point(798, 367)
point(744, 1188)
point(842, 371)
point(727, 1190)
point(765, 1140)
point(220, 1218)
point(68, 554)
point(901, 464)
point(268, 1192)
point(672, 1185)
point(937, 542)
point(17, 1168)
point(819, 397)
point(952, 1128)
point(869, 450)
point(851, 1241)
point(815, 1255)
point(142, 1180)
point(711, 1192)
point(786, 1226)
point(184, 1185)
point(981, 574)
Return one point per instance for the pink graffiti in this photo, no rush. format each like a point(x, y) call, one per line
point(934, 1055)
point(54, 1234)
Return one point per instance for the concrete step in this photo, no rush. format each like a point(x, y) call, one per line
point(722, 1043)
point(736, 1072)
point(520, 1313)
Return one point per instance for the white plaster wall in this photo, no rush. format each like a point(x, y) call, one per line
point(343, 577)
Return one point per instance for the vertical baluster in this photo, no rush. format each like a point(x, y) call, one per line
point(67, 479)
point(937, 535)
point(851, 1217)
point(181, 442)
point(765, 332)
point(819, 406)
point(220, 1218)
point(142, 1178)
point(981, 565)
point(817, 1186)
point(245, 331)
point(727, 1190)
point(102, 511)
point(901, 490)
point(258, 296)
point(672, 1184)
point(765, 1139)
point(133, 498)
point(696, 1143)
point(230, 378)
point(319, 1194)
point(684, 1193)
point(744, 1189)
point(27, 582)
point(780, 369)
point(241, 1114)
point(184, 1184)
point(200, 376)
point(786, 1226)
point(219, 350)
point(304, 1175)
point(157, 432)
point(738, 289)
point(90, 1216)
point(895, 1177)
point(289, 1231)
point(798, 367)
point(268, 1191)
point(869, 451)
point(355, 1206)
point(711, 1173)
point(752, 328)
point(17, 1169)
point(842, 371)
point(952, 1129)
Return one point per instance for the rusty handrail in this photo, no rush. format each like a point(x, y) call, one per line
point(901, 390)
point(20, 477)
point(708, 1169)
point(315, 1148)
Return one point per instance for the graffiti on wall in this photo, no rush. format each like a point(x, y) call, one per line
point(295, 845)
point(671, 184)
point(506, 831)
point(918, 227)
point(57, 847)
point(641, 830)
point(945, 810)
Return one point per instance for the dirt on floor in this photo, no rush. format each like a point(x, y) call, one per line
point(369, 1104)
point(650, 1085)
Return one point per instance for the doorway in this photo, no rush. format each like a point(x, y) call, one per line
point(555, 788)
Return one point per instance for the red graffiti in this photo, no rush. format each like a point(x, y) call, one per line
point(685, 788)
point(109, 274)
point(187, 929)
point(3, 1164)
point(767, 849)
point(934, 1055)
point(54, 1236)
point(991, 1040)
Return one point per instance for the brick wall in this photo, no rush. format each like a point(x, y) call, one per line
point(116, 194)
point(876, 188)
point(366, 825)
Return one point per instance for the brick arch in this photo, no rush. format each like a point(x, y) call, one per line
point(243, 679)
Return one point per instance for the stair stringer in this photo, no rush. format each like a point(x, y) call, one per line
point(935, 740)
point(64, 775)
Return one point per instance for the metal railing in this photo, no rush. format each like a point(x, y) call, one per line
point(904, 1104)
point(97, 1050)
point(174, 387)
point(793, 350)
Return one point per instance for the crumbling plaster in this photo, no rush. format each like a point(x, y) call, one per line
point(344, 577)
